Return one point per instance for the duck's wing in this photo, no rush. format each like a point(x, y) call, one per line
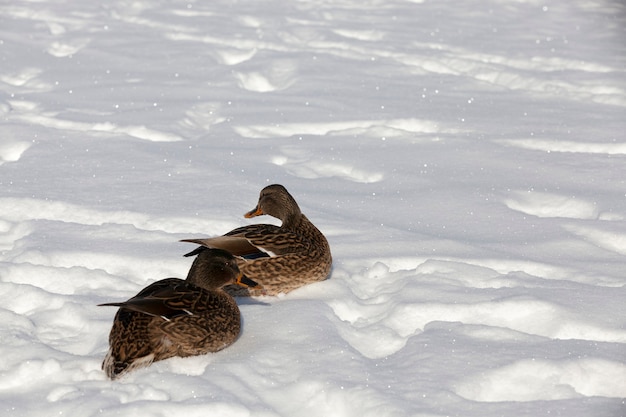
point(162, 299)
point(255, 229)
point(238, 246)
point(254, 241)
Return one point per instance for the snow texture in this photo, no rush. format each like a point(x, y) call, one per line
point(465, 159)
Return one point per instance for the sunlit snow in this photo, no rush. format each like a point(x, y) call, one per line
point(465, 159)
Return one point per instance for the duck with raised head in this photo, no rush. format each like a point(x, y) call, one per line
point(280, 258)
point(175, 317)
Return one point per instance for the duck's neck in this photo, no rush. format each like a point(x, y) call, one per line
point(199, 272)
point(293, 220)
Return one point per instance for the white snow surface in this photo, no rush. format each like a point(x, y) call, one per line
point(466, 160)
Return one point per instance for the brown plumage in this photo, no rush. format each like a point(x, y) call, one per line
point(280, 258)
point(175, 317)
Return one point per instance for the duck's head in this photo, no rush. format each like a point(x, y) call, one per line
point(215, 268)
point(275, 201)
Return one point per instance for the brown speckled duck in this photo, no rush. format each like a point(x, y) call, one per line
point(175, 317)
point(280, 258)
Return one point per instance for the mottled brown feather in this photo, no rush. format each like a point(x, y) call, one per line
point(280, 258)
point(175, 317)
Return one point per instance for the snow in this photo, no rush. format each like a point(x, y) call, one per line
point(465, 159)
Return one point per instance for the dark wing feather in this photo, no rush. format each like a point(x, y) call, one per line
point(255, 241)
point(238, 246)
point(167, 298)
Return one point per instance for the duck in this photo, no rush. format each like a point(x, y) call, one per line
point(280, 258)
point(176, 317)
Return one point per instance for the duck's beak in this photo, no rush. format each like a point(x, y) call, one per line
point(254, 212)
point(245, 282)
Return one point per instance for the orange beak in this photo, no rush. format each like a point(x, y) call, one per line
point(245, 282)
point(254, 212)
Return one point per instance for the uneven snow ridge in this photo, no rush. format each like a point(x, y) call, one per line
point(466, 160)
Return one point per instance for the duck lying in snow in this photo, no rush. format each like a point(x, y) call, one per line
point(280, 258)
point(175, 317)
